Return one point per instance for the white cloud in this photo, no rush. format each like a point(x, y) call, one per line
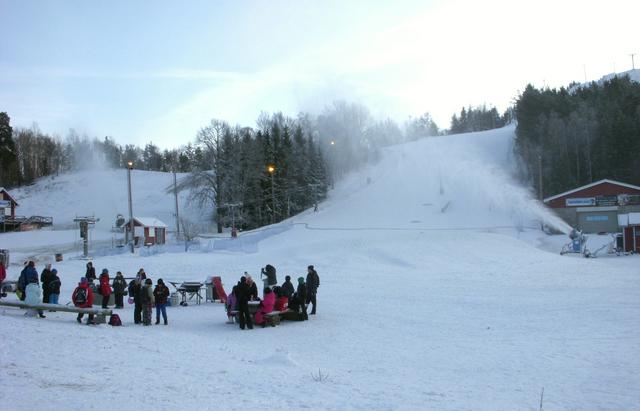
point(434, 57)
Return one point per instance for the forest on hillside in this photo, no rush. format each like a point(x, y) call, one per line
point(251, 175)
point(573, 136)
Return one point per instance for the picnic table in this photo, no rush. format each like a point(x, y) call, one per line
point(188, 290)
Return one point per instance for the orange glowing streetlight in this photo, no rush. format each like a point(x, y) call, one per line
point(271, 169)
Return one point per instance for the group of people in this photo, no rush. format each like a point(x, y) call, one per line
point(34, 289)
point(118, 286)
point(278, 298)
point(28, 287)
point(145, 297)
point(142, 294)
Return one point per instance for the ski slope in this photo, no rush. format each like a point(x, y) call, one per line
point(102, 193)
point(437, 292)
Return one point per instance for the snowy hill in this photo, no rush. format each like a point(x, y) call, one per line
point(102, 193)
point(453, 182)
point(432, 296)
point(634, 75)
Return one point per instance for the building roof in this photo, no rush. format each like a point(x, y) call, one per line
point(618, 183)
point(3, 190)
point(150, 222)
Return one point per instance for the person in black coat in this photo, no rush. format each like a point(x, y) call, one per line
point(270, 272)
point(301, 297)
point(91, 272)
point(161, 294)
point(287, 287)
point(119, 286)
point(313, 282)
point(243, 292)
point(135, 288)
point(54, 287)
point(45, 279)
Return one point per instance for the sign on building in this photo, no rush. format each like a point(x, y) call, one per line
point(597, 218)
point(605, 201)
point(580, 202)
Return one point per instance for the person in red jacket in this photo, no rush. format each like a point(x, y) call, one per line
point(105, 287)
point(82, 297)
point(3, 275)
point(282, 301)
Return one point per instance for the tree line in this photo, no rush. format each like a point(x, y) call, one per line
point(27, 154)
point(573, 136)
point(479, 118)
point(227, 165)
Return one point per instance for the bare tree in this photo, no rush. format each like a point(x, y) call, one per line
point(190, 231)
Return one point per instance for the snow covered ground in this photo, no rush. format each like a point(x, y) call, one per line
point(437, 292)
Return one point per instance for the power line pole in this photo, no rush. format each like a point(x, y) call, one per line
point(540, 176)
point(314, 187)
point(131, 229)
point(233, 214)
point(175, 194)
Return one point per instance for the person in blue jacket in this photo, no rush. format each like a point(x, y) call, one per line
point(28, 275)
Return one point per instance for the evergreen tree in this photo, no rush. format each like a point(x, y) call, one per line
point(581, 135)
point(8, 171)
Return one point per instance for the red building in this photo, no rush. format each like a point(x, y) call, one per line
point(630, 224)
point(148, 231)
point(7, 205)
point(595, 207)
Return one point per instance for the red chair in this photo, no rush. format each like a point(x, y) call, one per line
point(219, 290)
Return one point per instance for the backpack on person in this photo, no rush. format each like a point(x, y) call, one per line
point(115, 321)
point(80, 297)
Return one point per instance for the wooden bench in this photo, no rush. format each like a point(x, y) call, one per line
point(99, 313)
point(273, 318)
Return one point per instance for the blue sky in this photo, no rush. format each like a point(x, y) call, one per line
point(142, 71)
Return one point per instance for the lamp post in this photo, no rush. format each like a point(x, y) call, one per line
point(314, 187)
point(333, 162)
point(129, 167)
point(272, 170)
point(175, 194)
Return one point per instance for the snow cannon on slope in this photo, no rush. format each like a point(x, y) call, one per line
point(577, 245)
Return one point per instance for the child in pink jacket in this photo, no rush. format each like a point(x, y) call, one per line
point(266, 306)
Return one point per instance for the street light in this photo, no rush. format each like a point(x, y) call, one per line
point(129, 167)
point(332, 162)
point(271, 169)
